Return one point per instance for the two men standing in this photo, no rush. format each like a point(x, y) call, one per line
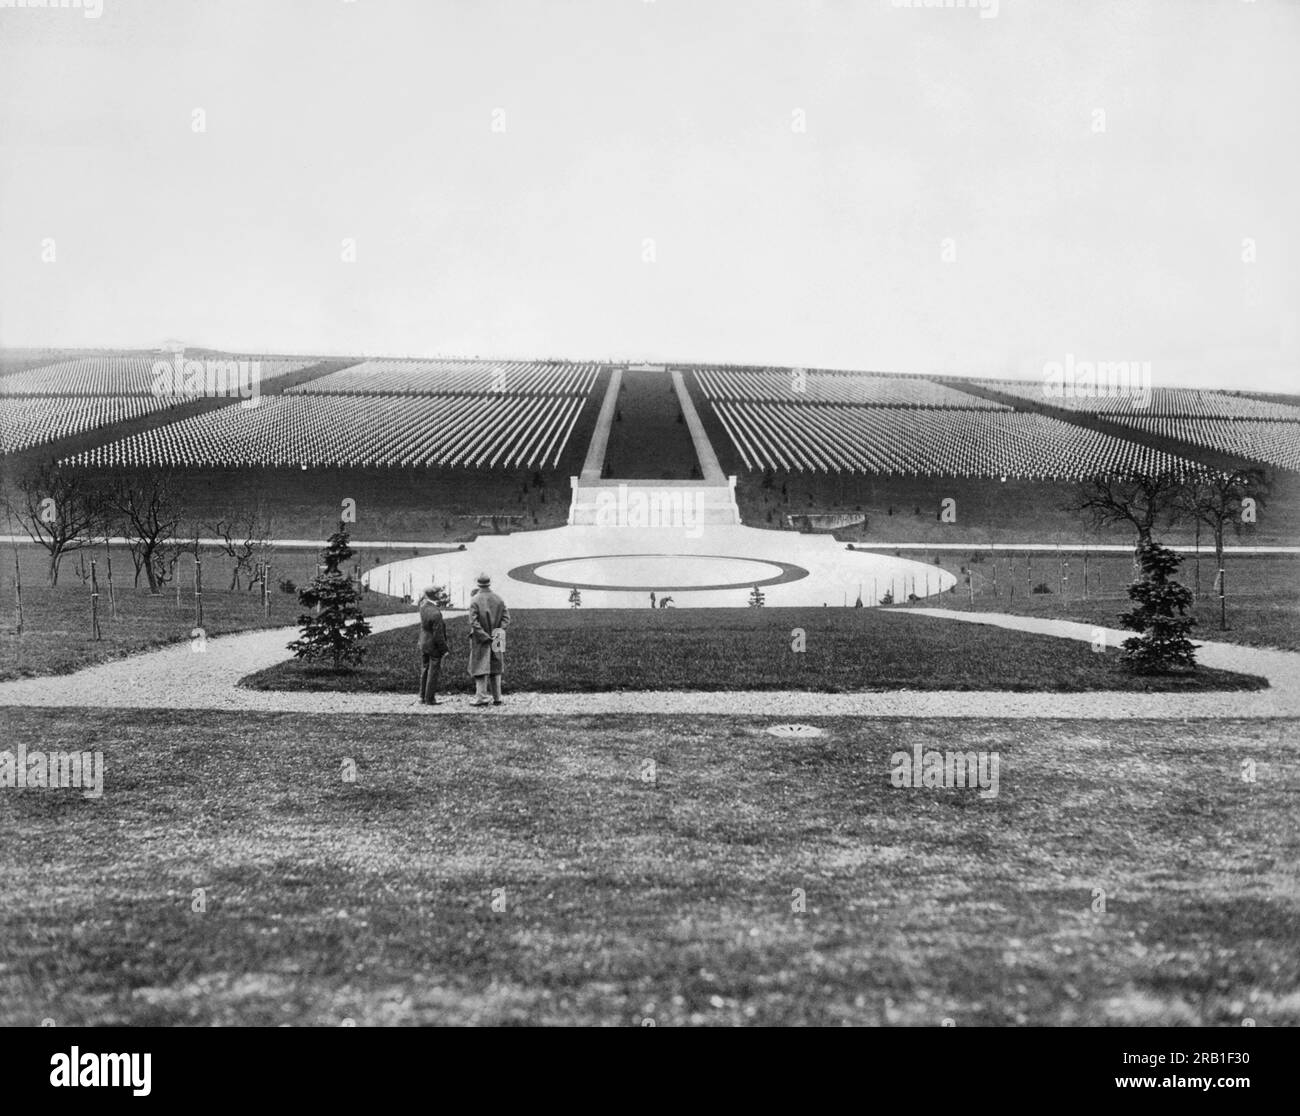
point(488, 618)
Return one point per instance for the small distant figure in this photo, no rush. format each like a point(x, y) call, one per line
point(652, 598)
point(575, 598)
point(664, 602)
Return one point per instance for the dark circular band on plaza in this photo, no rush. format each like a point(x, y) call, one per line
point(787, 572)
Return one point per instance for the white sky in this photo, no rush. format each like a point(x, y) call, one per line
point(671, 120)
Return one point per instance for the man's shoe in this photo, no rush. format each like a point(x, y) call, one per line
point(498, 703)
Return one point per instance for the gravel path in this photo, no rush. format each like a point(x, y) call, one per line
point(177, 677)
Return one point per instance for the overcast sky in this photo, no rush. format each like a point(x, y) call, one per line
point(844, 184)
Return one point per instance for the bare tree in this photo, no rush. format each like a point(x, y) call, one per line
point(244, 536)
point(58, 509)
point(1145, 503)
point(147, 508)
point(1219, 499)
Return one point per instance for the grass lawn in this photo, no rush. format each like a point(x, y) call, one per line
point(56, 622)
point(1263, 591)
point(622, 897)
point(576, 650)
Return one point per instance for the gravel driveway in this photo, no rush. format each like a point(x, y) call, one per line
point(178, 677)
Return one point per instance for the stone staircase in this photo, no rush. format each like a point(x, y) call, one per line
point(652, 504)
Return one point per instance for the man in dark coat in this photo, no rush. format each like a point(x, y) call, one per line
point(433, 645)
point(488, 618)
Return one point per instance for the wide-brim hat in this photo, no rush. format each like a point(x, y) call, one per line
point(484, 579)
point(431, 592)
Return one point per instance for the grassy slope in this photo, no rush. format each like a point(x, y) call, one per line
point(648, 441)
point(416, 505)
point(628, 899)
point(567, 651)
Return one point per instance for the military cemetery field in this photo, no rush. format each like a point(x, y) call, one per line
point(1014, 829)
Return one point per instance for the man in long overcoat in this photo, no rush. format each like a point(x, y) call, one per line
point(488, 619)
point(433, 645)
